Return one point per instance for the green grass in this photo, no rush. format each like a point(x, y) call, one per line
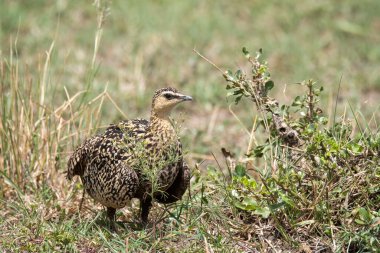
point(50, 104)
point(139, 53)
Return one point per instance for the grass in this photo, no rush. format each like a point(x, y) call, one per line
point(80, 66)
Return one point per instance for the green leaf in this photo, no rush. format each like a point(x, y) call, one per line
point(357, 148)
point(247, 204)
point(238, 98)
point(245, 52)
point(260, 150)
point(297, 101)
point(365, 215)
point(229, 76)
point(234, 193)
point(269, 85)
point(259, 53)
point(360, 222)
point(263, 212)
point(240, 170)
point(287, 200)
point(239, 74)
point(250, 183)
point(230, 93)
point(239, 205)
point(238, 91)
point(323, 120)
point(277, 206)
point(305, 222)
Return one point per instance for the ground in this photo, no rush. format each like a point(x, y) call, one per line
point(70, 68)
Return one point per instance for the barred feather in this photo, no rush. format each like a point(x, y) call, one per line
point(110, 164)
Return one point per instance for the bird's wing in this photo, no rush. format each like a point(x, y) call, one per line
point(78, 159)
point(178, 188)
point(111, 146)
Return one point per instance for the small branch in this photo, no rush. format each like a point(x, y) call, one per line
point(256, 89)
point(288, 134)
point(310, 100)
point(209, 61)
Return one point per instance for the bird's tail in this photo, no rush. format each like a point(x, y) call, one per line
point(76, 163)
point(73, 168)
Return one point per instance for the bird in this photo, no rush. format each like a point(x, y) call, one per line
point(135, 158)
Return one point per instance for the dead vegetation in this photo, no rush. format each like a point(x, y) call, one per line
point(311, 187)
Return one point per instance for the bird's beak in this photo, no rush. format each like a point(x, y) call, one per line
point(185, 98)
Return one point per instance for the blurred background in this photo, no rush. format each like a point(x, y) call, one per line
point(70, 68)
point(134, 47)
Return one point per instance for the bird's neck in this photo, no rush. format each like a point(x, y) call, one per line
point(161, 124)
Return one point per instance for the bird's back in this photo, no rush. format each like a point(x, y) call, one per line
point(109, 147)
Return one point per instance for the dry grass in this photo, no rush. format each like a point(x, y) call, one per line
point(61, 82)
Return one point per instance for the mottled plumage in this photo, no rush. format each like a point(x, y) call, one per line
point(135, 159)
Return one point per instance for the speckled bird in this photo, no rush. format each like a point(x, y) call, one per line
point(135, 159)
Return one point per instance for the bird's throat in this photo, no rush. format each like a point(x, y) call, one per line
point(162, 125)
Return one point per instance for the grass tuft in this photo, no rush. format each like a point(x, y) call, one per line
point(60, 82)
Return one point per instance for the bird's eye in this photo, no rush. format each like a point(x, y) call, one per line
point(169, 96)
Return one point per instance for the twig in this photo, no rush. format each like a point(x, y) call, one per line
point(209, 61)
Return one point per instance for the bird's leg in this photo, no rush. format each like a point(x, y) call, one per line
point(146, 203)
point(111, 214)
point(82, 200)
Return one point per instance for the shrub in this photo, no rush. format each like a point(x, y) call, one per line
point(318, 185)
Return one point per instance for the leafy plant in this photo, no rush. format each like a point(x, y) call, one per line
point(322, 182)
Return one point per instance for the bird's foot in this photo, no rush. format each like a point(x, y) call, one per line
point(113, 227)
point(111, 213)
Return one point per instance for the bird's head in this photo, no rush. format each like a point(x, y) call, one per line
point(165, 99)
